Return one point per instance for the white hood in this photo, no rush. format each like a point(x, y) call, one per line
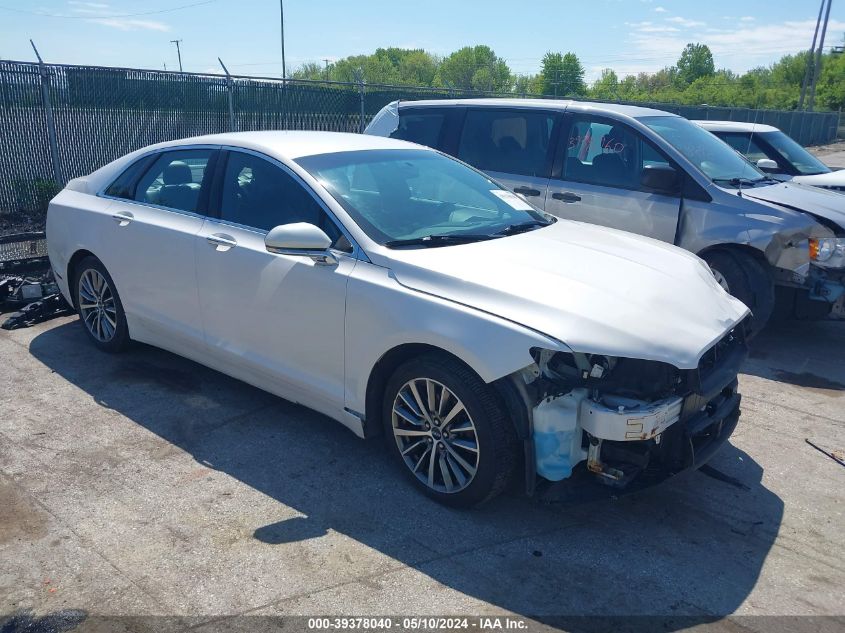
point(595, 289)
point(830, 179)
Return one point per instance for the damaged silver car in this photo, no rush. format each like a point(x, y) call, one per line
point(653, 173)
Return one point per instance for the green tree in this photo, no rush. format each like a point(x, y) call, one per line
point(563, 75)
point(474, 68)
point(606, 87)
point(696, 61)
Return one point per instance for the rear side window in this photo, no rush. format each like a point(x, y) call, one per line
point(174, 180)
point(124, 186)
point(513, 142)
point(423, 128)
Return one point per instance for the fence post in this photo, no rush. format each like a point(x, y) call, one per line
point(55, 159)
point(359, 76)
point(232, 126)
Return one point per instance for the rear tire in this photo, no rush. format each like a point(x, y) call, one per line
point(100, 310)
point(462, 450)
point(748, 280)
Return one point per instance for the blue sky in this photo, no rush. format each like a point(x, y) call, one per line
point(626, 35)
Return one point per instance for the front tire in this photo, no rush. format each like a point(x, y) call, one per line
point(449, 431)
point(100, 310)
point(746, 279)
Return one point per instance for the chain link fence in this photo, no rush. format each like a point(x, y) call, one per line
point(58, 122)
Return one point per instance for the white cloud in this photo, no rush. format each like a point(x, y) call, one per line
point(739, 49)
point(684, 22)
point(747, 18)
point(130, 24)
point(659, 10)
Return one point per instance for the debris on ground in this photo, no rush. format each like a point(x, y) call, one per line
point(836, 456)
point(27, 286)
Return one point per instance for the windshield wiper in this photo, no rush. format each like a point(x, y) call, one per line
point(440, 240)
point(513, 229)
point(741, 182)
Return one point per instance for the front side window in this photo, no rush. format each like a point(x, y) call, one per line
point(791, 152)
point(406, 194)
point(261, 195)
point(608, 154)
point(716, 160)
point(423, 127)
point(175, 178)
point(512, 142)
point(747, 146)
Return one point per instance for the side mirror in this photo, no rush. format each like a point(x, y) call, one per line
point(300, 239)
point(767, 164)
point(660, 178)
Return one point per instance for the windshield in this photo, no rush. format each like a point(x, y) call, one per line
point(794, 154)
point(718, 161)
point(415, 195)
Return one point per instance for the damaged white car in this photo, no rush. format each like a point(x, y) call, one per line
point(403, 293)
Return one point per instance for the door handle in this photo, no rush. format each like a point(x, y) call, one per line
point(566, 196)
point(123, 218)
point(527, 191)
point(221, 241)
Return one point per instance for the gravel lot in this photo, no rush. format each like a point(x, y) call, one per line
point(146, 485)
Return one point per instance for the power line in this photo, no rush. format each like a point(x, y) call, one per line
point(107, 15)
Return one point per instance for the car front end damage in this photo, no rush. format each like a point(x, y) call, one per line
point(624, 423)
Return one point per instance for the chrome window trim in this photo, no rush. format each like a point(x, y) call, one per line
point(357, 251)
point(102, 192)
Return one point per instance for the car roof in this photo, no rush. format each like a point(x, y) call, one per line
point(735, 126)
point(289, 144)
point(553, 104)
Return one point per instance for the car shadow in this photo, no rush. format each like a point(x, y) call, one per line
point(800, 353)
point(686, 552)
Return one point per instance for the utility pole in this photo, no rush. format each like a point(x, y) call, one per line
point(327, 67)
point(818, 65)
point(808, 71)
point(178, 52)
point(282, 24)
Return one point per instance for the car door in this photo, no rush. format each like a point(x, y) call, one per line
point(149, 245)
point(597, 179)
point(513, 146)
point(274, 320)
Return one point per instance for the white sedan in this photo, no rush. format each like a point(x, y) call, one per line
point(405, 294)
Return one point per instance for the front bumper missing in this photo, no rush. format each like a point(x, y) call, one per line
point(627, 466)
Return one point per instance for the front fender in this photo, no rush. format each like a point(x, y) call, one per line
point(781, 236)
point(382, 315)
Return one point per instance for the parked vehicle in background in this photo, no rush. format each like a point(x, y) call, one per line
point(652, 173)
point(404, 293)
point(776, 154)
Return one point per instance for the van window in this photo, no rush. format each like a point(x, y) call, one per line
point(608, 154)
point(512, 142)
point(423, 128)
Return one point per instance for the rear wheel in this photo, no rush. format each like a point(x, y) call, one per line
point(748, 280)
point(449, 431)
point(99, 306)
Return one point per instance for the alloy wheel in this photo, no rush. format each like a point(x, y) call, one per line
point(97, 306)
point(435, 434)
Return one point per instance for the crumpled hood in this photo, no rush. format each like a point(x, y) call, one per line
point(818, 202)
point(597, 290)
point(830, 179)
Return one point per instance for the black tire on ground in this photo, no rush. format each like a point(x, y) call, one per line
point(119, 339)
point(748, 280)
point(499, 451)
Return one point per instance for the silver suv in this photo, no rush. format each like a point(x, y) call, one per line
point(656, 174)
